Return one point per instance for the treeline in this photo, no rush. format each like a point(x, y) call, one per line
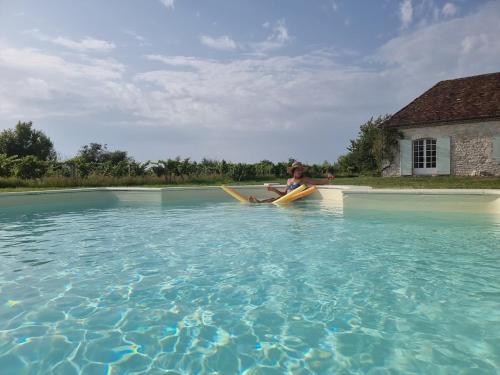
point(27, 153)
point(171, 170)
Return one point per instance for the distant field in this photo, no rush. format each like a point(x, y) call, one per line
point(441, 182)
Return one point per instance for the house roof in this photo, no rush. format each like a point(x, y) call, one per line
point(464, 99)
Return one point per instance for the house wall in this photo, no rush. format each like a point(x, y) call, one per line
point(471, 147)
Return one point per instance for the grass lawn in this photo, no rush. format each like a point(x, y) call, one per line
point(54, 183)
point(440, 182)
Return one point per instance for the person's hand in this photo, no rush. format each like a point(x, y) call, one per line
point(270, 188)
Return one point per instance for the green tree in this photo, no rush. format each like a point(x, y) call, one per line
point(30, 167)
point(242, 172)
point(79, 167)
point(92, 153)
point(159, 168)
point(371, 151)
point(264, 168)
point(223, 168)
point(98, 153)
point(7, 165)
point(23, 141)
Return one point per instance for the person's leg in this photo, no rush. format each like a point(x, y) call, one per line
point(252, 199)
point(268, 200)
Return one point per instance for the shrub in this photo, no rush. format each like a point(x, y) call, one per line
point(30, 167)
point(7, 164)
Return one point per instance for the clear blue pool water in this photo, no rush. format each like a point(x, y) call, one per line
point(228, 289)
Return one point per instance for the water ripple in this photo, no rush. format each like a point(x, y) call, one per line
point(248, 289)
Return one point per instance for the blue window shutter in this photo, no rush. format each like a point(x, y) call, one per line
point(405, 157)
point(443, 155)
point(496, 148)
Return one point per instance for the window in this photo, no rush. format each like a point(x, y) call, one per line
point(424, 154)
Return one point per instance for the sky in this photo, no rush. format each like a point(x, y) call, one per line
point(243, 80)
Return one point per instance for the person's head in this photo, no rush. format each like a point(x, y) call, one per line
point(296, 169)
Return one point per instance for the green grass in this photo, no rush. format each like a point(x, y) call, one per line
point(438, 182)
point(14, 184)
point(49, 183)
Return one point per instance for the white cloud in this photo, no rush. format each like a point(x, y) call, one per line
point(468, 44)
point(169, 4)
point(278, 38)
point(30, 78)
point(450, 9)
point(335, 5)
point(223, 42)
point(143, 42)
point(290, 98)
point(406, 13)
point(273, 93)
point(86, 44)
point(291, 92)
point(443, 50)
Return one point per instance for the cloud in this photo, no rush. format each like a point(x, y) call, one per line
point(292, 92)
point(406, 13)
point(313, 102)
point(243, 94)
point(143, 42)
point(36, 83)
point(222, 43)
point(335, 5)
point(169, 4)
point(86, 44)
point(450, 9)
point(278, 38)
point(447, 49)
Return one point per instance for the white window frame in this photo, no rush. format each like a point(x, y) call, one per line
point(424, 156)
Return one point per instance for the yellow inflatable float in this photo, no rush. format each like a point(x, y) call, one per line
point(235, 194)
point(301, 192)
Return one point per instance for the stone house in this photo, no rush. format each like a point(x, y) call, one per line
point(451, 129)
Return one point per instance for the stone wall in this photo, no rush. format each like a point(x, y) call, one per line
point(471, 147)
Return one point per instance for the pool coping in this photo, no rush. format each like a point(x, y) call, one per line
point(428, 191)
point(347, 189)
point(169, 188)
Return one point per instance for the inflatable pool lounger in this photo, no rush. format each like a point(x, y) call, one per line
point(301, 192)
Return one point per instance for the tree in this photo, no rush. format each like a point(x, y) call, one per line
point(98, 153)
point(92, 153)
point(242, 172)
point(7, 165)
point(372, 150)
point(30, 167)
point(23, 141)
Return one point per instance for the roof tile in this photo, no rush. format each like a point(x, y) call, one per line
point(462, 99)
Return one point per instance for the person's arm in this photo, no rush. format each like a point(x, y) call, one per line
point(320, 181)
point(280, 193)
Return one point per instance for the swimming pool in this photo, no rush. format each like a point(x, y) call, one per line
point(219, 287)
